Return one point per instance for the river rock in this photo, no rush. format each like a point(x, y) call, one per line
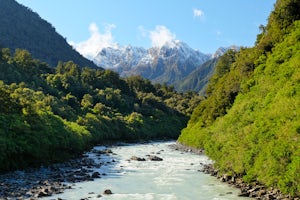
point(244, 194)
point(99, 152)
point(225, 178)
point(42, 194)
point(137, 158)
point(46, 181)
point(107, 192)
point(155, 158)
point(253, 190)
point(180, 147)
point(96, 175)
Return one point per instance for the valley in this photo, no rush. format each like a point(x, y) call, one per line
point(238, 106)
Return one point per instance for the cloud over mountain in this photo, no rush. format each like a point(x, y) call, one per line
point(160, 36)
point(99, 40)
point(96, 41)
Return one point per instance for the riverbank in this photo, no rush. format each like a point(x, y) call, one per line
point(47, 181)
point(253, 190)
point(55, 179)
point(35, 183)
point(112, 168)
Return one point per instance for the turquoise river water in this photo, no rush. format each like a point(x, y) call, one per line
point(176, 177)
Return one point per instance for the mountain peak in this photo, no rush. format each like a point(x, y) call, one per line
point(117, 56)
point(165, 64)
point(221, 50)
point(172, 44)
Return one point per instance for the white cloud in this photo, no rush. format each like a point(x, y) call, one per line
point(96, 42)
point(160, 36)
point(198, 12)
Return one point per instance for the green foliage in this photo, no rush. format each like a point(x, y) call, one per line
point(48, 115)
point(280, 22)
point(198, 79)
point(138, 83)
point(31, 134)
point(249, 122)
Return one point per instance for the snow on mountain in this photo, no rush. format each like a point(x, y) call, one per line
point(181, 51)
point(168, 63)
point(115, 57)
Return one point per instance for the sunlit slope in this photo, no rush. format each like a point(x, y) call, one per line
point(250, 122)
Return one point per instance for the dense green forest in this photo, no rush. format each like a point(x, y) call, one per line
point(51, 114)
point(198, 79)
point(22, 28)
point(250, 121)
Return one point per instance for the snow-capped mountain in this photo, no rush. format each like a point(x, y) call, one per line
point(119, 56)
point(166, 64)
point(220, 51)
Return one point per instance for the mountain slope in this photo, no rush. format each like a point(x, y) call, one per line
point(22, 28)
point(167, 64)
point(250, 123)
point(198, 79)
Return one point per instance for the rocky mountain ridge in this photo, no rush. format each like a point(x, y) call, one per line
point(173, 63)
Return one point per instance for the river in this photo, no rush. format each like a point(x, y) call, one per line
point(177, 176)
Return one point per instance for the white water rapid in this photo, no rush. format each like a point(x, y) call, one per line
point(176, 177)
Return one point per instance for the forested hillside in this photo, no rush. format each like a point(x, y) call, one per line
point(22, 28)
point(48, 115)
point(198, 79)
point(250, 122)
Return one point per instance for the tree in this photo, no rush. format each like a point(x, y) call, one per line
point(87, 101)
point(5, 55)
point(139, 84)
point(24, 60)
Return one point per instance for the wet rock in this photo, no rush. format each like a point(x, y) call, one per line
point(261, 193)
point(183, 148)
point(243, 194)
point(46, 181)
point(225, 178)
point(137, 158)
point(108, 151)
point(155, 158)
point(99, 152)
point(42, 194)
point(107, 192)
point(253, 190)
point(96, 175)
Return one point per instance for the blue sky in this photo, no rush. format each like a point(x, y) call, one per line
point(206, 25)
